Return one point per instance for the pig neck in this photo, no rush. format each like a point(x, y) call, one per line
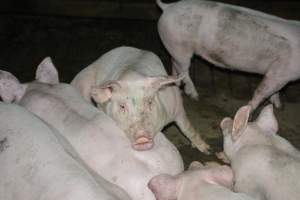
point(283, 145)
point(209, 191)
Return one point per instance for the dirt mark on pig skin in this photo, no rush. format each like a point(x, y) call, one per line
point(3, 144)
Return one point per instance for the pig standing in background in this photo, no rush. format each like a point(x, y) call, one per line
point(235, 38)
point(132, 87)
point(38, 164)
point(100, 143)
point(198, 183)
point(265, 165)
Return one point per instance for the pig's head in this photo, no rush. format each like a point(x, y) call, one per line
point(191, 184)
point(12, 91)
point(132, 102)
point(239, 132)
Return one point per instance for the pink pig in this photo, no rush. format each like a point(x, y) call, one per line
point(266, 166)
point(210, 182)
point(132, 87)
point(235, 38)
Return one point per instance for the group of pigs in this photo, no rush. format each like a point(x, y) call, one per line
point(100, 136)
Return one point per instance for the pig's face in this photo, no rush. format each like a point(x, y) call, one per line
point(133, 105)
point(239, 132)
point(191, 184)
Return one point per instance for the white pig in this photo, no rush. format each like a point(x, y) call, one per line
point(38, 164)
point(235, 38)
point(99, 141)
point(200, 182)
point(266, 166)
point(132, 87)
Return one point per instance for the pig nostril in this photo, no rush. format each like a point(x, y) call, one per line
point(142, 144)
point(142, 140)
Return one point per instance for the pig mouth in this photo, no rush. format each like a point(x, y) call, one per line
point(143, 144)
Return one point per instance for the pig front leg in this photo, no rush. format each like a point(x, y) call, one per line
point(190, 132)
point(270, 85)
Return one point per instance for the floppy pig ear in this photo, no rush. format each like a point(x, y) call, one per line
point(240, 121)
point(221, 175)
point(226, 125)
point(164, 187)
point(10, 88)
point(267, 120)
point(103, 93)
point(161, 81)
point(46, 72)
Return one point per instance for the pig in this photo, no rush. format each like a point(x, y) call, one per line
point(265, 165)
point(38, 164)
point(101, 144)
point(210, 182)
point(132, 87)
point(235, 38)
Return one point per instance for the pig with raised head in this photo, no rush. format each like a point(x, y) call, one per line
point(38, 164)
point(265, 165)
point(235, 38)
point(199, 182)
point(132, 87)
point(101, 144)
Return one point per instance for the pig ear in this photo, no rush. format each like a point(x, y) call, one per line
point(226, 124)
point(10, 88)
point(267, 120)
point(221, 175)
point(195, 165)
point(164, 187)
point(158, 82)
point(103, 93)
point(46, 72)
point(240, 121)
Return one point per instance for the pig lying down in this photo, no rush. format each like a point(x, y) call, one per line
point(36, 164)
point(198, 183)
point(257, 151)
point(100, 143)
point(132, 87)
point(235, 38)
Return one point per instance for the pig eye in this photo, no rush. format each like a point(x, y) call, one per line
point(150, 103)
point(122, 107)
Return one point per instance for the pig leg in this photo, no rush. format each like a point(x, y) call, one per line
point(182, 67)
point(275, 100)
point(181, 60)
point(271, 83)
point(190, 132)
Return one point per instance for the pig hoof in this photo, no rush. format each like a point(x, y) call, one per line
point(222, 156)
point(204, 148)
point(278, 105)
point(191, 92)
point(195, 97)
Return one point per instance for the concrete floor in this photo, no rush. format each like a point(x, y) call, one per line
point(73, 43)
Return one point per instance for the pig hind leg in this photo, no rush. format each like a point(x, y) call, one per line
point(273, 81)
point(180, 65)
point(275, 100)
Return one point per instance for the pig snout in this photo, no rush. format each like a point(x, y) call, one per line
point(142, 141)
